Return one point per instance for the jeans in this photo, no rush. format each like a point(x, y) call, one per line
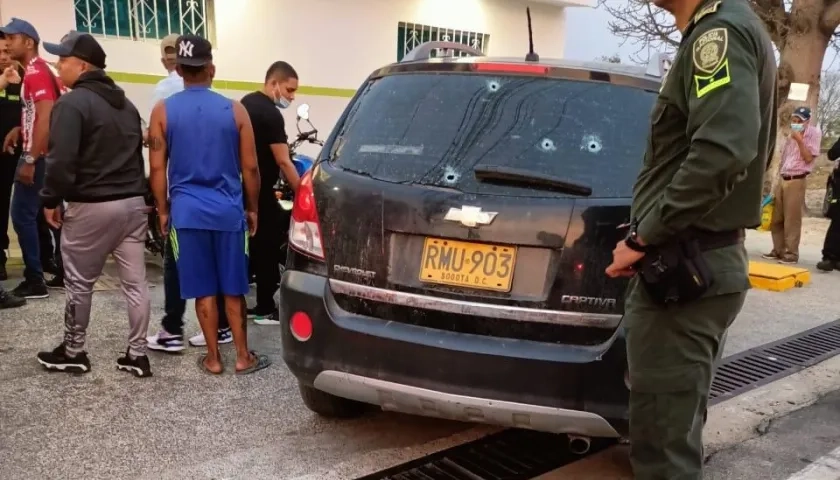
point(268, 248)
point(174, 306)
point(24, 211)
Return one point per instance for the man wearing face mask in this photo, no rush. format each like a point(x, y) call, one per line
point(801, 149)
point(94, 166)
point(264, 106)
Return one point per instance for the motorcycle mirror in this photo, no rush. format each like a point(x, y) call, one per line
point(303, 111)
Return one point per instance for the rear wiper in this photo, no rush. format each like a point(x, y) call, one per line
point(527, 179)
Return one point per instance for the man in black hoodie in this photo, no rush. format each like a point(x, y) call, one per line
point(95, 170)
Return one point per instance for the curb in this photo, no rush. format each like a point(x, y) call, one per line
point(750, 415)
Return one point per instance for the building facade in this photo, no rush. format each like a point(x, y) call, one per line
point(333, 44)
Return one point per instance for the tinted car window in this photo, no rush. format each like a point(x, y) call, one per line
point(436, 128)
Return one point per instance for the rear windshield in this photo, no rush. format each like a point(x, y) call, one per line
point(435, 129)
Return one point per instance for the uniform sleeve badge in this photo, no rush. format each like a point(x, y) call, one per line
point(711, 68)
point(709, 50)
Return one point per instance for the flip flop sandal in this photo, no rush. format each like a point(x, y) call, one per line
point(262, 362)
point(204, 368)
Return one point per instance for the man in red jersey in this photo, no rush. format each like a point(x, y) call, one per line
point(41, 88)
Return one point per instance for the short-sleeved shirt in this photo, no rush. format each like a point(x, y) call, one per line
point(269, 129)
point(792, 162)
point(40, 82)
point(172, 84)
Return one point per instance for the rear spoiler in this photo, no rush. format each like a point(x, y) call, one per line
point(424, 51)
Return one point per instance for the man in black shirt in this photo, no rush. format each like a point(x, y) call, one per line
point(281, 83)
point(10, 108)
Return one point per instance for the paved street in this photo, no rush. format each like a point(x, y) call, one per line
point(183, 424)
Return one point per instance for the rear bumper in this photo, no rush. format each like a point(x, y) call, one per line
point(436, 373)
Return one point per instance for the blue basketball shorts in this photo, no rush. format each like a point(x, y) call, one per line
point(210, 262)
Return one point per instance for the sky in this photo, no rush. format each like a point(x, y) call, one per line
point(588, 37)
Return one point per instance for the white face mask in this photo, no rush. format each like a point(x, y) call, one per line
point(282, 103)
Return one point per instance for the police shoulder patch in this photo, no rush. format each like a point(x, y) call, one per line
point(709, 50)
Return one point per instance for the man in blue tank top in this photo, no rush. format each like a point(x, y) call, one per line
point(207, 142)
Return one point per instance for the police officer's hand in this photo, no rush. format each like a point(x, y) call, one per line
point(252, 222)
point(26, 174)
point(623, 260)
point(11, 140)
point(11, 75)
point(163, 221)
point(53, 217)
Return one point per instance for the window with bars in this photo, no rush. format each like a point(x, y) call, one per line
point(411, 35)
point(144, 19)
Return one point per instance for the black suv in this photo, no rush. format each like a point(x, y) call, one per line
point(447, 251)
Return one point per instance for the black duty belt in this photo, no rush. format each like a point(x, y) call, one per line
point(794, 177)
point(709, 240)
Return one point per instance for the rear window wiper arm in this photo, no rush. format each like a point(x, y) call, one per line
point(527, 179)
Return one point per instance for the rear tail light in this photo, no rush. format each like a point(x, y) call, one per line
point(304, 229)
point(512, 68)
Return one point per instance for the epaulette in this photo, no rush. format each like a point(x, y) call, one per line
point(707, 10)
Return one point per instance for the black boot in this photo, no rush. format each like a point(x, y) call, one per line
point(827, 265)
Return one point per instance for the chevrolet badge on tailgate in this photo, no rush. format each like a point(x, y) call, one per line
point(470, 216)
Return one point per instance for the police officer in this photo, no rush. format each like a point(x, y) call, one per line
point(10, 108)
point(713, 131)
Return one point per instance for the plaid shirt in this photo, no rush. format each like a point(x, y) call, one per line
point(792, 163)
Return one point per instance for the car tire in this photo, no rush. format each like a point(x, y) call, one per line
point(330, 406)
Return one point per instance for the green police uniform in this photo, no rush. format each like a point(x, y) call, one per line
point(713, 130)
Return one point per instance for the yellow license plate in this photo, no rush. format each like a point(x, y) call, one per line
point(464, 264)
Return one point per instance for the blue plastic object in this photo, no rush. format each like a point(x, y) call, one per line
point(767, 199)
point(303, 163)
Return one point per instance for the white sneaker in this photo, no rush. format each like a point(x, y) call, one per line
point(224, 337)
point(271, 319)
point(166, 342)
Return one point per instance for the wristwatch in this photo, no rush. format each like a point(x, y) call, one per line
point(632, 239)
point(29, 159)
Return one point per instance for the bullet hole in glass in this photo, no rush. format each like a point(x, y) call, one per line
point(450, 175)
point(547, 145)
point(493, 86)
point(591, 143)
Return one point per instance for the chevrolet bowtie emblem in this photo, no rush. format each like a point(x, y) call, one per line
point(470, 216)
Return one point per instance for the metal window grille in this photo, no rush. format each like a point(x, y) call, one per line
point(144, 19)
point(411, 35)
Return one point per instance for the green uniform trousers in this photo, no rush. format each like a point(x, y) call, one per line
point(671, 355)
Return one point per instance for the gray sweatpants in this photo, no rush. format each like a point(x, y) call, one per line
point(91, 232)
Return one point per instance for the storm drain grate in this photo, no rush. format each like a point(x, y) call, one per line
point(506, 455)
point(758, 366)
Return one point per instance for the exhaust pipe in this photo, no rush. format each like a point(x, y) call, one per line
point(578, 445)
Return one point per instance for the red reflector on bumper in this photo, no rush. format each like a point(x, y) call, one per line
point(301, 326)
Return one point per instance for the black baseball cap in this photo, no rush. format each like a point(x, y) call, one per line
point(80, 45)
point(193, 51)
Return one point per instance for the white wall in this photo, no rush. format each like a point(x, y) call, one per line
point(331, 43)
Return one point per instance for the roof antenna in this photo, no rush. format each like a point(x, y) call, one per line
point(532, 56)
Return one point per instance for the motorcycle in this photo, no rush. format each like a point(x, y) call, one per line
point(302, 163)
